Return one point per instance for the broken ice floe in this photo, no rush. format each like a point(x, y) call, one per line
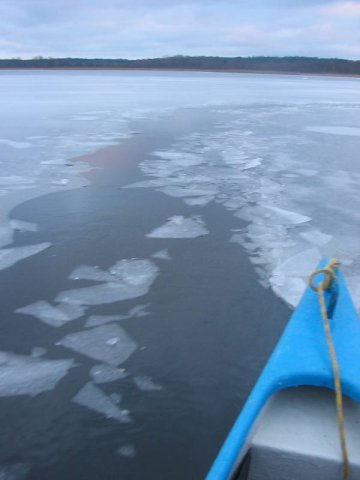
point(108, 343)
point(25, 375)
point(37, 352)
point(126, 279)
point(272, 182)
point(127, 451)
point(162, 254)
point(104, 373)
point(147, 384)
point(180, 227)
point(55, 316)
point(10, 256)
point(93, 398)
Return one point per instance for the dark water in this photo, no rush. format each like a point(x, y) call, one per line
point(211, 328)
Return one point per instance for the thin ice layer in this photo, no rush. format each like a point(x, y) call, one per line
point(54, 316)
point(97, 320)
point(162, 254)
point(93, 398)
point(147, 384)
point(104, 373)
point(10, 256)
point(23, 226)
point(108, 343)
point(127, 451)
point(26, 375)
point(180, 227)
point(14, 471)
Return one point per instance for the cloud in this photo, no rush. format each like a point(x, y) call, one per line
point(348, 9)
point(145, 28)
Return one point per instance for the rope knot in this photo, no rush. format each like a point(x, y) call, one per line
point(329, 276)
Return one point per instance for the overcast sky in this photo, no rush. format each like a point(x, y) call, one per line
point(155, 28)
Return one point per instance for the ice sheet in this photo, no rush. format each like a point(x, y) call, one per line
point(180, 227)
point(26, 375)
point(107, 343)
point(10, 256)
point(126, 279)
point(93, 398)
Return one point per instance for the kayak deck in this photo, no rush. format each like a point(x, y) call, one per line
point(296, 437)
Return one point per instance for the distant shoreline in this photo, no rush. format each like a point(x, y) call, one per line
point(210, 70)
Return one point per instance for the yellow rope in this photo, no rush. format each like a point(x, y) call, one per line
point(329, 276)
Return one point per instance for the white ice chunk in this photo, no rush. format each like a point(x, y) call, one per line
point(10, 256)
point(96, 320)
point(61, 182)
point(93, 398)
point(288, 217)
point(13, 144)
point(135, 271)
point(100, 294)
point(57, 161)
point(189, 191)
point(130, 279)
point(38, 352)
point(316, 237)
point(199, 201)
point(336, 130)
point(291, 291)
point(252, 164)
point(25, 375)
point(104, 373)
point(98, 343)
point(180, 227)
point(162, 254)
point(139, 311)
point(22, 226)
point(127, 451)
point(299, 265)
point(54, 316)
point(86, 272)
point(147, 384)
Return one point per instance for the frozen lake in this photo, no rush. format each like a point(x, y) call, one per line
point(120, 270)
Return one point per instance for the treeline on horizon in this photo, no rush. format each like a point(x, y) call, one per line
point(263, 64)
